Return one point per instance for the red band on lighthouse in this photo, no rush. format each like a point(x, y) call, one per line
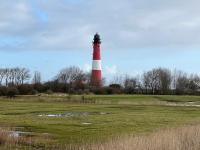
point(96, 63)
point(96, 52)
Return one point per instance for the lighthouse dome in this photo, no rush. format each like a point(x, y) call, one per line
point(97, 38)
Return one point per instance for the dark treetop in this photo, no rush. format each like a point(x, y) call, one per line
point(97, 38)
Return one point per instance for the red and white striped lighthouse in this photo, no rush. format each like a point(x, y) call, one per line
point(96, 63)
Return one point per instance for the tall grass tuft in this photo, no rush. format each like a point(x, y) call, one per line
point(183, 138)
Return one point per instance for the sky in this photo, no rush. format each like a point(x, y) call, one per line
point(137, 35)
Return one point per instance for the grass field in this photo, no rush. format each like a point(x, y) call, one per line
point(94, 119)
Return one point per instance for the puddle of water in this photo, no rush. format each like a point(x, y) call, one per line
point(103, 113)
point(188, 104)
point(86, 123)
point(17, 134)
point(73, 114)
point(67, 114)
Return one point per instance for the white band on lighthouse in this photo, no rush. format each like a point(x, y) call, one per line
point(96, 65)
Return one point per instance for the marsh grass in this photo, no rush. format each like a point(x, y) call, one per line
point(182, 138)
point(7, 140)
point(10, 141)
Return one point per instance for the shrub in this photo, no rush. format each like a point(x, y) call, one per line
point(25, 89)
point(3, 91)
point(99, 91)
point(49, 92)
point(39, 87)
point(34, 92)
point(12, 92)
point(116, 86)
point(110, 90)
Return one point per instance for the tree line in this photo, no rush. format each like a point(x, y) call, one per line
point(14, 76)
point(160, 81)
point(74, 80)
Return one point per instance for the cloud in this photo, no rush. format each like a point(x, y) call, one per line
point(111, 70)
point(70, 24)
point(87, 67)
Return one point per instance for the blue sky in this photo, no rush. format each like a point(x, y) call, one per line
point(114, 62)
point(137, 35)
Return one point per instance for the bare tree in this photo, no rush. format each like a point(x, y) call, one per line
point(150, 80)
point(118, 79)
point(17, 76)
point(164, 80)
point(130, 84)
point(157, 80)
point(2, 75)
point(193, 83)
point(24, 75)
point(37, 78)
point(7, 74)
point(181, 82)
point(71, 76)
point(12, 76)
point(196, 80)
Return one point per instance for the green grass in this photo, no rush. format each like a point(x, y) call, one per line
point(126, 114)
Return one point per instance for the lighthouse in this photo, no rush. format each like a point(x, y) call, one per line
point(96, 79)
